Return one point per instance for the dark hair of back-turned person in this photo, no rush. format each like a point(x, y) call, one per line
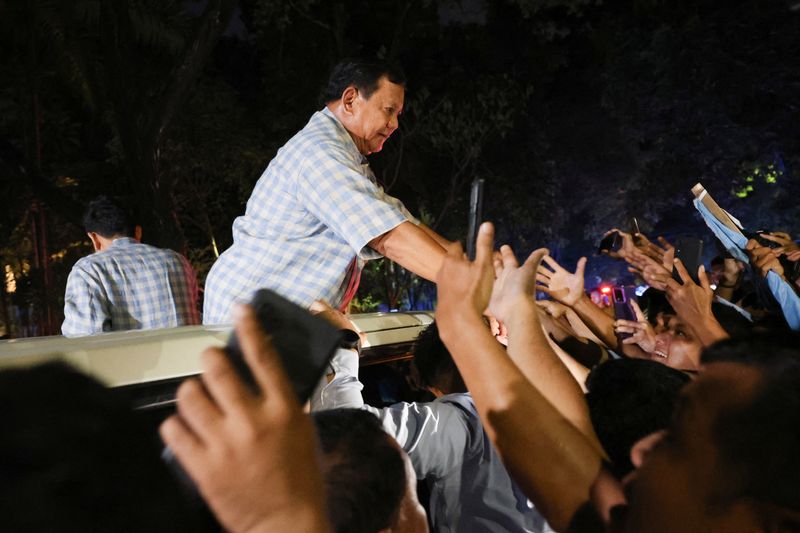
point(434, 363)
point(75, 457)
point(361, 73)
point(107, 218)
point(363, 471)
point(630, 399)
point(758, 441)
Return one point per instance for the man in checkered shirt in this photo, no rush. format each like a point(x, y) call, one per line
point(126, 284)
point(317, 213)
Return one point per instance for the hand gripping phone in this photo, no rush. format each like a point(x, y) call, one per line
point(305, 343)
point(623, 310)
point(690, 251)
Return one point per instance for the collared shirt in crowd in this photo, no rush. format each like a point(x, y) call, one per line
point(129, 286)
point(312, 212)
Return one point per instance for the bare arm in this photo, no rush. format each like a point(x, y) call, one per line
point(597, 321)
point(444, 243)
point(513, 304)
point(411, 247)
point(567, 288)
point(552, 461)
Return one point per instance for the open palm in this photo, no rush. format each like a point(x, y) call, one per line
point(559, 283)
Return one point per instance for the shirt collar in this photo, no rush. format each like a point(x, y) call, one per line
point(119, 242)
point(345, 134)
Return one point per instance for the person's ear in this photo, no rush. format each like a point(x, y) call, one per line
point(644, 446)
point(95, 238)
point(349, 97)
point(137, 233)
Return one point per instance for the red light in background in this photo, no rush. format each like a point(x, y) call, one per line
point(605, 290)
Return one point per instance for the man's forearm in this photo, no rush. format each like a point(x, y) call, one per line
point(551, 460)
point(530, 351)
point(598, 322)
point(412, 248)
point(441, 241)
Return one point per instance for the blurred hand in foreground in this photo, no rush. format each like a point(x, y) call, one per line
point(252, 456)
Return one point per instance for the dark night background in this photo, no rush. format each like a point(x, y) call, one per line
point(579, 114)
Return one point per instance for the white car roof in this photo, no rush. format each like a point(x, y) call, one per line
point(142, 356)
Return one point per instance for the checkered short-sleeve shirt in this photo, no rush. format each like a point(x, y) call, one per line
point(314, 209)
point(129, 286)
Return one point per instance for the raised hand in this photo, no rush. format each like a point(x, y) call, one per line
point(653, 272)
point(663, 254)
point(764, 258)
point(787, 244)
point(559, 283)
point(252, 456)
point(692, 303)
point(465, 286)
point(514, 283)
point(642, 333)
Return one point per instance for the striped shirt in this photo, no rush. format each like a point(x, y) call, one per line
point(129, 286)
point(312, 212)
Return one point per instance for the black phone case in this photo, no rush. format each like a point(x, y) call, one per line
point(304, 342)
point(690, 251)
point(610, 243)
point(623, 310)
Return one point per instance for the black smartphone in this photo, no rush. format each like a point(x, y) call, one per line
point(690, 251)
point(304, 342)
point(623, 310)
point(610, 243)
point(475, 215)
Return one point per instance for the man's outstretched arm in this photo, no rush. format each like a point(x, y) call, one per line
point(553, 462)
point(413, 247)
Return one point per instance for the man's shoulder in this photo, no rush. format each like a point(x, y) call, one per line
point(460, 400)
point(322, 136)
point(167, 255)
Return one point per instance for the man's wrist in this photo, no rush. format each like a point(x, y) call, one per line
point(453, 325)
point(581, 303)
point(524, 311)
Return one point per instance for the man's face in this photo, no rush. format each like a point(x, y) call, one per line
point(676, 345)
point(681, 477)
point(376, 118)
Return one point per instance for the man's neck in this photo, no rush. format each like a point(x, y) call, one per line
point(336, 110)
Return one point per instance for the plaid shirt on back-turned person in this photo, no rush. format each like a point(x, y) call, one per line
point(129, 286)
point(311, 214)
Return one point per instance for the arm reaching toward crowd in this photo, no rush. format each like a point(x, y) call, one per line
point(512, 302)
point(692, 303)
point(567, 288)
point(253, 457)
point(412, 247)
point(552, 461)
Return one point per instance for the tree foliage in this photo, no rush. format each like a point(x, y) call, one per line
point(578, 114)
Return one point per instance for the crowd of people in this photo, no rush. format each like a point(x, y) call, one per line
point(548, 412)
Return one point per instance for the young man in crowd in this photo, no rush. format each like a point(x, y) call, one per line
point(126, 284)
point(370, 485)
point(470, 489)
